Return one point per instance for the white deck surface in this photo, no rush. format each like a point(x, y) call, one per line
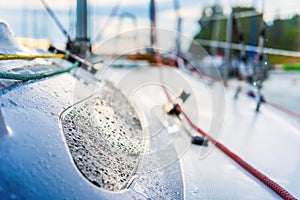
point(266, 140)
point(35, 162)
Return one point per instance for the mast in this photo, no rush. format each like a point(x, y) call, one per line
point(81, 20)
point(179, 27)
point(152, 22)
point(81, 45)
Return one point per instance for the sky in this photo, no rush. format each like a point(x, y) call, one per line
point(286, 6)
point(28, 23)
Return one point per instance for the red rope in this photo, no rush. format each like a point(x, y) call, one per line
point(260, 176)
point(278, 107)
point(283, 109)
point(272, 104)
point(2, 86)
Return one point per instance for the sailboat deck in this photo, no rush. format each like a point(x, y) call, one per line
point(34, 155)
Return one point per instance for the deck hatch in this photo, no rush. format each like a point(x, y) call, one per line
point(104, 137)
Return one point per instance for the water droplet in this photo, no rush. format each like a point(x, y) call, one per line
point(12, 102)
point(196, 192)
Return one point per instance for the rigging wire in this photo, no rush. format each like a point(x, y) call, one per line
point(114, 11)
point(237, 46)
point(57, 22)
point(71, 27)
point(260, 176)
point(28, 77)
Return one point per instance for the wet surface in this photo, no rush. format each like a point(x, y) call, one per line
point(104, 136)
point(283, 89)
point(35, 161)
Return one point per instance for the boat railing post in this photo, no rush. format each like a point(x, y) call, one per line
point(261, 71)
point(81, 45)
